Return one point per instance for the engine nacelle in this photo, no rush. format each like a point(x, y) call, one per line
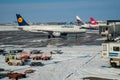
point(56, 34)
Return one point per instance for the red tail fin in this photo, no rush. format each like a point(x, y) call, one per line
point(92, 21)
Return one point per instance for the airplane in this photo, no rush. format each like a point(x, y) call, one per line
point(52, 30)
point(92, 21)
point(92, 25)
point(99, 23)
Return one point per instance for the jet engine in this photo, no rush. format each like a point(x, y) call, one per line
point(56, 34)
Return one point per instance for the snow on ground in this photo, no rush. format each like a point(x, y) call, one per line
point(75, 63)
point(8, 28)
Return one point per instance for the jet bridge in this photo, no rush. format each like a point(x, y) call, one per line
point(112, 29)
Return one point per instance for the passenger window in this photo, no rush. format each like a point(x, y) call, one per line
point(116, 49)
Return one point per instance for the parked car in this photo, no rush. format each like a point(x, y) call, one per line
point(4, 73)
point(56, 52)
point(35, 52)
point(15, 51)
point(36, 64)
point(3, 52)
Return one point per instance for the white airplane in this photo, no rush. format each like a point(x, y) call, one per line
point(52, 30)
point(92, 25)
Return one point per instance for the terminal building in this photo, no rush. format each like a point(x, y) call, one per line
point(112, 29)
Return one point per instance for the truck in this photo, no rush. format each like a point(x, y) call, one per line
point(111, 50)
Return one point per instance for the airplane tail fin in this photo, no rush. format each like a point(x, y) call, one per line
point(79, 20)
point(92, 21)
point(21, 21)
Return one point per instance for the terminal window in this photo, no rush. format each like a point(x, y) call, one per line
point(104, 47)
point(116, 48)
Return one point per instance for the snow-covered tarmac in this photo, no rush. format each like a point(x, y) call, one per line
point(8, 28)
point(75, 63)
point(80, 58)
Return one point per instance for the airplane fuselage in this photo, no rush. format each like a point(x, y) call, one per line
point(55, 30)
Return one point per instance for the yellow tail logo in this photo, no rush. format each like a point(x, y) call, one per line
point(20, 20)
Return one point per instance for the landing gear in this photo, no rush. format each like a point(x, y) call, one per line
point(61, 35)
point(51, 36)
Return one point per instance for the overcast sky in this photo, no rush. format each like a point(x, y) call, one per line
point(58, 10)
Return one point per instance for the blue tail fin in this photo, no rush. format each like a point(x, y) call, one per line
point(21, 21)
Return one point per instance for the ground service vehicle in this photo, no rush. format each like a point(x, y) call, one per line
point(16, 51)
point(29, 71)
point(46, 57)
point(24, 56)
point(56, 52)
point(3, 52)
point(4, 73)
point(36, 54)
point(16, 76)
point(36, 63)
point(111, 50)
point(15, 62)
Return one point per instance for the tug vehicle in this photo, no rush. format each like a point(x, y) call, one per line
point(38, 55)
point(16, 76)
point(111, 50)
point(25, 56)
point(29, 71)
point(46, 57)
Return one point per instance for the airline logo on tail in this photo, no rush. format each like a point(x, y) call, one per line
point(92, 21)
point(21, 21)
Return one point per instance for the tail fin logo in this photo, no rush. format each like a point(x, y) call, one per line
point(93, 22)
point(20, 20)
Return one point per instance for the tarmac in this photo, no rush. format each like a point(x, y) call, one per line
point(33, 40)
